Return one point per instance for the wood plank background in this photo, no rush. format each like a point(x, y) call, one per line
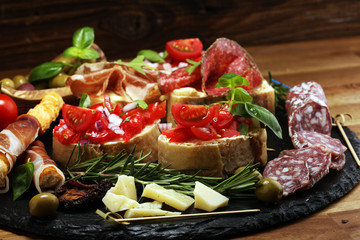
point(34, 31)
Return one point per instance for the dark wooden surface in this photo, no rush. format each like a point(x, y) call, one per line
point(34, 31)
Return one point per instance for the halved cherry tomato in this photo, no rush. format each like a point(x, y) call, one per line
point(192, 115)
point(182, 49)
point(155, 111)
point(77, 118)
point(68, 136)
point(222, 116)
point(229, 133)
point(204, 133)
point(179, 134)
point(102, 136)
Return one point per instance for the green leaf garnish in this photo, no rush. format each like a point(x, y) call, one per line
point(83, 37)
point(151, 55)
point(84, 101)
point(243, 128)
point(45, 71)
point(137, 64)
point(231, 80)
point(142, 104)
point(239, 95)
point(22, 178)
point(193, 66)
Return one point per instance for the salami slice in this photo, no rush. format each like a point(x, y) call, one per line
point(304, 139)
point(227, 56)
point(307, 109)
point(291, 173)
point(318, 160)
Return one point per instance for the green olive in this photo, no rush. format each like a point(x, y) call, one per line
point(58, 81)
point(19, 80)
point(7, 82)
point(269, 190)
point(41, 85)
point(43, 204)
point(258, 177)
point(67, 61)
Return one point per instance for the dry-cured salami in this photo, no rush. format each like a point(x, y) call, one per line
point(305, 139)
point(307, 109)
point(318, 160)
point(291, 173)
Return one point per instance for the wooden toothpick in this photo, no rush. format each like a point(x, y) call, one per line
point(340, 122)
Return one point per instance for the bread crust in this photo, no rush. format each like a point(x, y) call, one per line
point(220, 157)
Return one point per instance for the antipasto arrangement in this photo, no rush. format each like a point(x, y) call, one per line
point(183, 127)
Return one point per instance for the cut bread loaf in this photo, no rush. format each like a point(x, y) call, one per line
point(145, 142)
point(219, 157)
point(263, 96)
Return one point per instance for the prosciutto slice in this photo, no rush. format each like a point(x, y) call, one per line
point(97, 78)
point(47, 176)
point(14, 140)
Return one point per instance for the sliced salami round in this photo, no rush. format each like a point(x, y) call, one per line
point(318, 159)
point(307, 109)
point(224, 56)
point(305, 139)
point(291, 173)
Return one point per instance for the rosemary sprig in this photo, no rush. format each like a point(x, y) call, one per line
point(280, 92)
point(108, 166)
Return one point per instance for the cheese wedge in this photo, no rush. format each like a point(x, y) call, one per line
point(125, 185)
point(208, 199)
point(170, 197)
point(148, 212)
point(117, 203)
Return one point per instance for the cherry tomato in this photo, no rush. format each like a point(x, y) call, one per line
point(78, 118)
point(192, 115)
point(179, 134)
point(155, 111)
point(68, 136)
point(227, 133)
point(182, 49)
point(222, 116)
point(204, 133)
point(102, 136)
point(8, 110)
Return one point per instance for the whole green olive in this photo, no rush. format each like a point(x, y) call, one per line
point(19, 80)
point(58, 81)
point(269, 190)
point(43, 204)
point(41, 85)
point(68, 61)
point(8, 82)
point(258, 176)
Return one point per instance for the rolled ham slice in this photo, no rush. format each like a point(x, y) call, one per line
point(47, 176)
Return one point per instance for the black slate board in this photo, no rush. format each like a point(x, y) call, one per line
point(336, 184)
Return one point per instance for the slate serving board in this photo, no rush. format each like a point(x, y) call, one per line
point(336, 184)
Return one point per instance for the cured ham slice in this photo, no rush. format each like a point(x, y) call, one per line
point(318, 160)
point(97, 78)
point(307, 110)
point(47, 176)
point(226, 56)
point(17, 136)
point(291, 173)
point(305, 139)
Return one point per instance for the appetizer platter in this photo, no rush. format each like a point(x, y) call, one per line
point(186, 143)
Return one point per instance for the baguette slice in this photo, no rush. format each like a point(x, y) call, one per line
point(263, 96)
point(219, 157)
point(146, 142)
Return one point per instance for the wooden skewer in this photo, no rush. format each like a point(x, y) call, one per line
point(119, 218)
point(340, 123)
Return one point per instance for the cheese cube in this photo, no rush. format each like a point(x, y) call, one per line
point(172, 198)
point(208, 199)
point(150, 205)
point(117, 203)
point(147, 212)
point(125, 185)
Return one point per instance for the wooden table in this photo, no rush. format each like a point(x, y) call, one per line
point(335, 64)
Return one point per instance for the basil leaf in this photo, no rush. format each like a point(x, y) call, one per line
point(137, 64)
point(142, 104)
point(151, 55)
point(193, 66)
point(165, 54)
point(45, 70)
point(72, 52)
point(83, 37)
point(239, 110)
point(88, 53)
point(231, 80)
point(239, 94)
point(243, 128)
point(264, 116)
point(84, 101)
point(22, 178)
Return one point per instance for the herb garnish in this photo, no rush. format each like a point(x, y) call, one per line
point(280, 92)
point(240, 104)
point(193, 66)
point(83, 39)
point(85, 101)
point(151, 55)
point(137, 64)
point(22, 179)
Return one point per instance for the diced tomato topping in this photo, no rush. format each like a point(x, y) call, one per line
point(204, 133)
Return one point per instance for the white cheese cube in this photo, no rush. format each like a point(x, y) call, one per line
point(117, 203)
point(172, 198)
point(208, 199)
point(125, 185)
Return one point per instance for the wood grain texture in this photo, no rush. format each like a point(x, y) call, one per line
point(34, 31)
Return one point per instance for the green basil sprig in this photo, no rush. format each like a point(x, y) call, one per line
point(46, 70)
point(240, 102)
point(22, 179)
point(137, 64)
point(151, 55)
point(193, 65)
